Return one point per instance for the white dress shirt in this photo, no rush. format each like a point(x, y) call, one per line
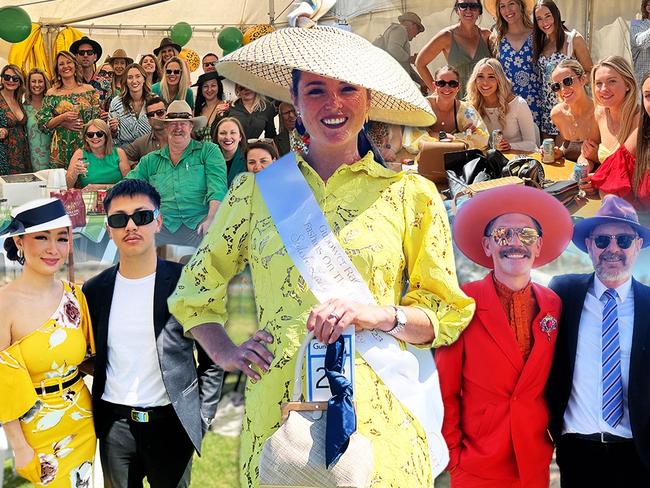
point(583, 414)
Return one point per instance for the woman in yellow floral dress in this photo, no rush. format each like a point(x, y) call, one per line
point(66, 108)
point(45, 334)
point(392, 226)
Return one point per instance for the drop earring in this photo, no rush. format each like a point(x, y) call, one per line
point(299, 138)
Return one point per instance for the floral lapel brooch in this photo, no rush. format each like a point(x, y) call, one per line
point(548, 324)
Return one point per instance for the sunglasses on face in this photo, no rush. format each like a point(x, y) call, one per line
point(13, 78)
point(85, 52)
point(443, 83)
point(99, 134)
point(156, 113)
point(207, 64)
point(141, 217)
point(173, 71)
point(468, 5)
point(106, 74)
point(568, 81)
point(505, 235)
point(623, 241)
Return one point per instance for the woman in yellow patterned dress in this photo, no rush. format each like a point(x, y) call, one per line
point(45, 334)
point(393, 227)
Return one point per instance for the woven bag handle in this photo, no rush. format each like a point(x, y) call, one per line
point(297, 374)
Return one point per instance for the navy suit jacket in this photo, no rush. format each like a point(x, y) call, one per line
point(194, 389)
point(572, 289)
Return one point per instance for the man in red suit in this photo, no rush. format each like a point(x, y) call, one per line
point(493, 377)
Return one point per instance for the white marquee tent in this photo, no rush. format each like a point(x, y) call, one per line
point(138, 28)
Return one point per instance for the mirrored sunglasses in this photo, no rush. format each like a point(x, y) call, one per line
point(443, 83)
point(173, 71)
point(505, 235)
point(156, 113)
point(14, 78)
point(141, 217)
point(99, 134)
point(568, 81)
point(623, 241)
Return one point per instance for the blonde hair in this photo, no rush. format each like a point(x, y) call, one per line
point(18, 94)
point(259, 105)
point(504, 89)
point(502, 26)
point(28, 89)
point(108, 139)
point(575, 66)
point(183, 84)
point(78, 76)
point(629, 107)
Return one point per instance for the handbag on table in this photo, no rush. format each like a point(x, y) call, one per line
point(294, 456)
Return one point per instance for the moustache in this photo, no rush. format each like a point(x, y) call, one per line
point(503, 253)
point(608, 256)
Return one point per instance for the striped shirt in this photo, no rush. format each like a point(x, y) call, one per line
point(130, 126)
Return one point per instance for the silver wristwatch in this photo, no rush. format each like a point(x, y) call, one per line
point(400, 321)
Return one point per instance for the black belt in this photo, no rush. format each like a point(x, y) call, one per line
point(601, 437)
point(141, 415)
point(43, 390)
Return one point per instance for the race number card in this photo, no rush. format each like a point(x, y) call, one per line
point(318, 388)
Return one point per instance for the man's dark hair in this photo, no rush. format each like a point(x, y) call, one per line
point(154, 100)
point(132, 188)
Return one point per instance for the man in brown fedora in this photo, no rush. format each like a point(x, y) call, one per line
point(396, 41)
point(119, 61)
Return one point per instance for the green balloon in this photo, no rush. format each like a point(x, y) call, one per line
point(16, 26)
point(230, 39)
point(181, 33)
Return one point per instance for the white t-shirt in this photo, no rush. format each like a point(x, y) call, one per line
point(520, 129)
point(133, 374)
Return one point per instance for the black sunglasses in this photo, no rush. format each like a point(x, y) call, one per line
point(623, 241)
point(468, 5)
point(85, 52)
point(141, 217)
point(443, 83)
point(106, 74)
point(100, 134)
point(13, 78)
point(179, 115)
point(568, 81)
point(173, 71)
point(156, 113)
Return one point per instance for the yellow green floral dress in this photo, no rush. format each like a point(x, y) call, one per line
point(58, 425)
point(392, 225)
point(64, 141)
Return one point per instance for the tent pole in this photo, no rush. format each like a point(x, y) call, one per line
point(271, 11)
point(589, 23)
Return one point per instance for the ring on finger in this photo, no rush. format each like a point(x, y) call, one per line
point(333, 315)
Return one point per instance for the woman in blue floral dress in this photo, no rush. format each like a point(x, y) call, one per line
point(512, 41)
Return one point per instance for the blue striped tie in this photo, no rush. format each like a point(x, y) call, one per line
point(611, 361)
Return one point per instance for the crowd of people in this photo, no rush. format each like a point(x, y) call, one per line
point(334, 242)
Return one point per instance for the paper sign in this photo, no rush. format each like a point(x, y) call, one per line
point(318, 388)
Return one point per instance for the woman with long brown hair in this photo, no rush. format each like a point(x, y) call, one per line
point(39, 140)
point(127, 115)
point(14, 150)
point(152, 67)
point(67, 106)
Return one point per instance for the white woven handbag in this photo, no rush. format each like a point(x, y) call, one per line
point(294, 456)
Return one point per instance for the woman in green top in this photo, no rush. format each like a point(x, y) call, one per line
point(229, 135)
point(67, 106)
point(175, 82)
point(39, 141)
point(98, 162)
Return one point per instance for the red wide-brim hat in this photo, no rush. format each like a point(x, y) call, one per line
point(474, 215)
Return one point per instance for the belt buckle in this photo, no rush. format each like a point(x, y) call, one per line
point(139, 416)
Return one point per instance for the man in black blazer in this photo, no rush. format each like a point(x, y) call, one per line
point(152, 402)
point(598, 390)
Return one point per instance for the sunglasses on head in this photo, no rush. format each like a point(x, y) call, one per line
point(179, 115)
point(13, 78)
point(451, 83)
point(99, 134)
point(156, 113)
point(173, 71)
point(505, 235)
point(106, 74)
point(85, 52)
point(623, 241)
point(262, 139)
point(468, 5)
point(141, 217)
point(568, 81)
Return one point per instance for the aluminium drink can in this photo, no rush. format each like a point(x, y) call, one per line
point(580, 171)
point(548, 151)
point(497, 137)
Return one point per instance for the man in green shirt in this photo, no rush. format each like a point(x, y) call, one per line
point(189, 175)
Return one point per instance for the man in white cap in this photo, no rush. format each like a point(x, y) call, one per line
point(598, 390)
point(396, 41)
point(493, 377)
point(189, 175)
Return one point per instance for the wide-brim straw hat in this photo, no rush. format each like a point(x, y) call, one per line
point(119, 54)
point(491, 7)
point(474, 215)
point(613, 210)
point(37, 216)
point(265, 66)
point(176, 108)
